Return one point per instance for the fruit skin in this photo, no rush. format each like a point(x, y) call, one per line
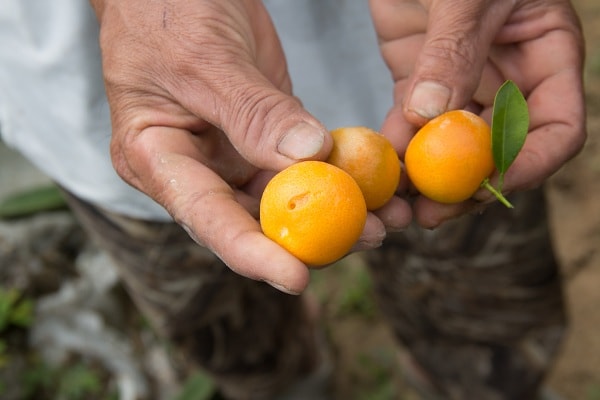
point(450, 156)
point(314, 210)
point(370, 159)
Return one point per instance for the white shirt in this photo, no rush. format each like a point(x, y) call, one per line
point(53, 107)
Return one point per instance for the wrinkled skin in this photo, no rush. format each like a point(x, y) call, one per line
point(463, 51)
point(203, 112)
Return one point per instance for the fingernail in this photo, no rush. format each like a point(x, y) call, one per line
point(365, 245)
point(429, 99)
point(302, 141)
point(282, 288)
point(373, 241)
point(395, 229)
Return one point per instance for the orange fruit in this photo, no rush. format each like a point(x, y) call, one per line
point(314, 210)
point(370, 159)
point(450, 156)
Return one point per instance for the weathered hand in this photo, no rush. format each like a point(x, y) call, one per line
point(455, 54)
point(203, 115)
point(200, 103)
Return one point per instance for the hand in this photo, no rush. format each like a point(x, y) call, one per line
point(202, 115)
point(446, 55)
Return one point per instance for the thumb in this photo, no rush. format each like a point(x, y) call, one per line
point(449, 66)
point(268, 126)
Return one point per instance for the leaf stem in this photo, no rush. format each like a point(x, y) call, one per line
point(486, 184)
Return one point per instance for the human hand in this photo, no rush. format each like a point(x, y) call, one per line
point(202, 116)
point(446, 55)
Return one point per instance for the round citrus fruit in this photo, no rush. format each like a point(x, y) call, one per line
point(314, 210)
point(370, 159)
point(450, 156)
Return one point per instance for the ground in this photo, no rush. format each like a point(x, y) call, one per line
point(99, 327)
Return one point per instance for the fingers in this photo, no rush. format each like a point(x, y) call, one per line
point(429, 214)
point(396, 215)
point(554, 91)
point(448, 69)
point(243, 88)
point(557, 133)
point(170, 170)
point(170, 166)
point(270, 129)
point(458, 58)
point(200, 100)
point(386, 15)
point(229, 72)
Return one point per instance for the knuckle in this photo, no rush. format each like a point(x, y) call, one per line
point(118, 159)
point(128, 151)
point(256, 112)
point(453, 50)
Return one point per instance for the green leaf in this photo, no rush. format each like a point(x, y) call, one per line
point(198, 387)
point(39, 199)
point(78, 382)
point(22, 314)
point(510, 124)
point(8, 299)
point(14, 309)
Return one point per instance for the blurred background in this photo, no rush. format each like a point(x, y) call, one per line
point(68, 331)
